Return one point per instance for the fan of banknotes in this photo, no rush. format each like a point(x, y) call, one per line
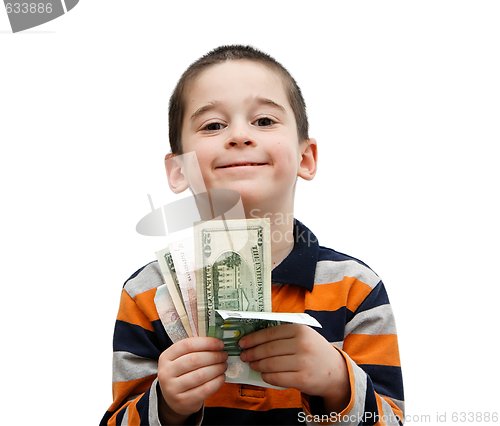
point(217, 278)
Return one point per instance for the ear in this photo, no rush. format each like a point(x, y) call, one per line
point(308, 159)
point(175, 174)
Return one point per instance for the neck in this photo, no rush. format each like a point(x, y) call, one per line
point(282, 239)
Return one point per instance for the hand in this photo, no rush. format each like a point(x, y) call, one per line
point(295, 355)
point(188, 372)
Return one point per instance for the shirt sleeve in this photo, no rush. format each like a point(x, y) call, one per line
point(370, 349)
point(135, 365)
point(139, 339)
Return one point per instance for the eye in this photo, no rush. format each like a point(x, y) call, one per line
point(213, 127)
point(264, 122)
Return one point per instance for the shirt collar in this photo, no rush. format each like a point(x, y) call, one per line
point(299, 267)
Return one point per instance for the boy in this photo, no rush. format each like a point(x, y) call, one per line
point(243, 115)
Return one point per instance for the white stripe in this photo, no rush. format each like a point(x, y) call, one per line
point(124, 421)
point(400, 404)
point(328, 271)
point(338, 345)
point(378, 320)
point(388, 417)
point(150, 277)
point(127, 366)
point(358, 409)
point(153, 417)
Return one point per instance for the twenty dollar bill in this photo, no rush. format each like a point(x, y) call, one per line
point(233, 259)
point(234, 274)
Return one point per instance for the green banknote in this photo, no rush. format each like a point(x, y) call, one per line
point(232, 326)
point(233, 259)
point(231, 330)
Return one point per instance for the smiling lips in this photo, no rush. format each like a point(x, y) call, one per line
point(240, 164)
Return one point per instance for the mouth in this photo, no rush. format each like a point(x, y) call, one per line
point(242, 164)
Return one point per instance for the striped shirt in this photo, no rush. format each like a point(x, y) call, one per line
point(341, 292)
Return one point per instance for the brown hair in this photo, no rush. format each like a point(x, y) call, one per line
point(228, 53)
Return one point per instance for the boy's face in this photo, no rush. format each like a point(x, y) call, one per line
point(240, 124)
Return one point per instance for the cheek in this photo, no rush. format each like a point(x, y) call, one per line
point(196, 162)
point(288, 155)
point(199, 152)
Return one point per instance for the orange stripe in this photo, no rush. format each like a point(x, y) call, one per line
point(287, 298)
point(381, 413)
point(367, 349)
point(349, 292)
point(254, 398)
point(146, 301)
point(122, 390)
point(130, 312)
point(112, 420)
point(352, 383)
point(133, 414)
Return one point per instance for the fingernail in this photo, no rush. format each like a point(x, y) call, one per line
point(242, 343)
point(243, 356)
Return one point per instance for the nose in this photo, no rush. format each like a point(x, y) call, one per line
point(239, 136)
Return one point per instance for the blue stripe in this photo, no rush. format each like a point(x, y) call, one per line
point(135, 339)
point(377, 297)
point(119, 416)
point(163, 340)
point(326, 253)
point(371, 410)
point(143, 408)
point(388, 380)
point(333, 322)
point(105, 418)
point(299, 267)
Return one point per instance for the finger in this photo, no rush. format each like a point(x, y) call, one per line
point(193, 344)
point(195, 360)
point(278, 364)
point(273, 348)
point(203, 391)
point(196, 378)
point(189, 401)
point(284, 331)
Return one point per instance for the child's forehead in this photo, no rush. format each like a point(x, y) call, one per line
point(253, 73)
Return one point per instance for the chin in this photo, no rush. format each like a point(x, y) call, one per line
point(256, 197)
point(250, 198)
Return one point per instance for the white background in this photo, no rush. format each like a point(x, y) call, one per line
point(404, 100)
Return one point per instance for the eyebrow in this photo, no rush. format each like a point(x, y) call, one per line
point(208, 107)
point(269, 102)
point(213, 105)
